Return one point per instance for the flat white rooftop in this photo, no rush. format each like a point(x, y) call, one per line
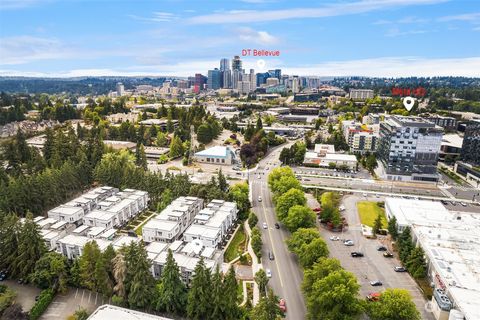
point(108, 312)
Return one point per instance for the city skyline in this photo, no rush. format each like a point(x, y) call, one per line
point(391, 38)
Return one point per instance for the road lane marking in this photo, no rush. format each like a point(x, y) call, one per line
point(272, 244)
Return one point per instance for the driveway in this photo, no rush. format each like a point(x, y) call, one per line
point(66, 304)
point(373, 266)
point(25, 293)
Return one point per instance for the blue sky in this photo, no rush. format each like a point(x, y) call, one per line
point(176, 37)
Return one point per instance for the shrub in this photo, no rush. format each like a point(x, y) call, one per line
point(44, 300)
point(7, 297)
point(252, 219)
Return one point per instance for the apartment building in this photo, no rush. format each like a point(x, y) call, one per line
point(361, 94)
point(170, 224)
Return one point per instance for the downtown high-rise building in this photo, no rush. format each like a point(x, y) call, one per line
point(224, 64)
point(237, 64)
point(215, 79)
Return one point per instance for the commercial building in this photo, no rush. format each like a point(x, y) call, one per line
point(243, 87)
point(324, 156)
point(471, 143)
point(452, 252)
point(215, 79)
point(470, 173)
point(272, 82)
point(170, 224)
point(451, 147)
point(199, 84)
point(408, 148)
point(447, 123)
point(120, 88)
point(216, 155)
point(361, 94)
point(224, 64)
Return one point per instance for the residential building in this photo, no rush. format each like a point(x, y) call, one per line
point(72, 245)
point(237, 63)
point(408, 148)
point(169, 225)
point(216, 155)
point(360, 138)
point(361, 94)
point(243, 87)
point(236, 78)
point(471, 143)
point(213, 223)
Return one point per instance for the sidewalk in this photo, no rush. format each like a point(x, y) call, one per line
point(255, 265)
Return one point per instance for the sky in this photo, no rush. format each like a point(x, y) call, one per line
point(384, 38)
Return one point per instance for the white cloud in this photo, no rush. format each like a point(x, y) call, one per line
point(157, 16)
point(20, 4)
point(24, 49)
point(470, 17)
point(374, 67)
point(393, 67)
point(259, 37)
point(344, 8)
point(396, 32)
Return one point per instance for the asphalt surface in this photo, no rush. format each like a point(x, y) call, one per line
point(287, 275)
point(373, 266)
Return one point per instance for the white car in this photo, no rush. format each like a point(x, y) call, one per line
point(334, 238)
point(269, 273)
point(341, 208)
point(265, 225)
point(348, 243)
point(259, 199)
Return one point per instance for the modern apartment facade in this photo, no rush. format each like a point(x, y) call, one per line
point(361, 94)
point(409, 148)
point(471, 143)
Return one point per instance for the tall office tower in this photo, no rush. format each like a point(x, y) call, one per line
point(409, 147)
point(253, 80)
point(471, 143)
point(200, 81)
point(237, 64)
point(243, 87)
point(277, 73)
point(120, 89)
point(295, 84)
point(215, 79)
point(224, 64)
point(262, 78)
point(236, 78)
point(227, 79)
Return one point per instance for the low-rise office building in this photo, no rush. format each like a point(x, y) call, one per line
point(216, 155)
point(324, 156)
point(452, 252)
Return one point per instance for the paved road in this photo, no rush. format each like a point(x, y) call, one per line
point(373, 266)
point(286, 273)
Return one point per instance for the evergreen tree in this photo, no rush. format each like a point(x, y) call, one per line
point(31, 247)
point(405, 244)
point(102, 281)
point(171, 291)
point(9, 229)
point(50, 269)
point(259, 124)
point(176, 147)
point(200, 295)
point(75, 278)
point(229, 294)
point(142, 284)
point(222, 181)
point(262, 281)
point(88, 265)
point(416, 264)
point(393, 228)
point(218, 302)
point(377, 224)
point(140, 157)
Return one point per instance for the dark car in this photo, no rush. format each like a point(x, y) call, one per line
point(376, 283)
point(400, 269)
point(356, 254)
point(444, 202)
point(388, 254)
point(277, 226)
point(381, 248)
point(271, 256)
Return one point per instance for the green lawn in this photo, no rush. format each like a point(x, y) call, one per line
point(236, 246)
point(368, 212)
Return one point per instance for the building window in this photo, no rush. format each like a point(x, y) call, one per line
point(223, 160)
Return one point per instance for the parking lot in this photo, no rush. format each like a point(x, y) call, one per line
point(66, 304)
point(373, 266)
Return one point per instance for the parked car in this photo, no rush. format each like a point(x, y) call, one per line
point(444, 202)
point(356, 254)
point(374, 296)
point(400, 269)
point(334, 238)
point(341, 208)
point(264, 225)
point(463, 204)
point(259, 198)
point(388, 254)
point(269, 273)
point(348, 243)
point(376, 283)
point(381, 248)
point(270, 255)
point(20, 281)
point(282, 305)
point(277, 226)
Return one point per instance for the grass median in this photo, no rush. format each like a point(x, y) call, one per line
point(368, 212)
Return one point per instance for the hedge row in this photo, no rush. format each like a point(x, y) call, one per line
point(44, 300)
